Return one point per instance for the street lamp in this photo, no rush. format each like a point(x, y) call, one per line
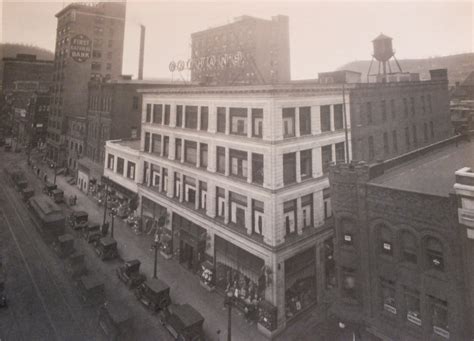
point(156, 241)
point(112, 213)
point(106, 198)
point(228, 302)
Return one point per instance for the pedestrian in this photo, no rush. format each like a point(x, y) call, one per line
point(75, 199)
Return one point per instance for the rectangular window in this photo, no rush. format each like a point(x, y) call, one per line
point(166, 146)
point(167, 114)
point(157, 113)
point(257, 122)
point(238, 121)
point(148, 113)
point(238, 208)
point(131, 170)
point(179, 115)
point(135, 102)
point(257, 168)
point(326, 158)
point(305, 120)
point(177, 185)
point(203, 156)
point(190, 152)
point(191, 115)
point(221, 120)
point(425, 131)
point(204, 118)
point(306, 164)
point(439, 316)
point(415, 139)
point(120, 165)
point(393, 109)
point(307, 210)
point(220, 160)
point(383, 109)
point(412, 105)
point(258, 216)
point(178, 149)
point(203, 195)
point(340, 152)
point(430, 107)
point(371, 148)
point(289, 216)
point(394, 141)
point(110, 162)
point(423, 105)
point(338, 117)
point(369, 112)
point(156, 144)
point(289, 168)
point(165, 180)
point(386, 148)
point(388, 296)
point(220, 202)
point(288, 115)
point(238, 163)
point(325, 118)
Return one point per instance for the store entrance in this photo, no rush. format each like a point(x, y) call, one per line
point(186, 256)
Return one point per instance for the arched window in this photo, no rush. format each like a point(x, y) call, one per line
point(434, 254)
point(348, 232)
point(386, 240)
point(409, 248)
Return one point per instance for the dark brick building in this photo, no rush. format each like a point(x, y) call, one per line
point(89, 45)
point(248, 51)
point(404, 261)
point(393, 118)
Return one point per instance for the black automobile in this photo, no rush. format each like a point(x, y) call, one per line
point(91, 232)
point(49, 188)
point(91, 289)
point(78, 219)
point(129, 273)
point(27, 193)
point(75, 265)
point(106, 248)
point(154, 294)
point(64, 246)
point(116, 321)
point(183, 322)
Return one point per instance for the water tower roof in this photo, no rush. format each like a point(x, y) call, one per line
point(382, 37)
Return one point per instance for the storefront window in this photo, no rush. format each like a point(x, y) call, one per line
point(300, 282)
point(439, 310)
point(412, 301)
point(388, 296)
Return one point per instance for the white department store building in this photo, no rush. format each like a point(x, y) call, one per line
point(241, 172)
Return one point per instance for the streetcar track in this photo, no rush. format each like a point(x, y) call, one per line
point(46, 267)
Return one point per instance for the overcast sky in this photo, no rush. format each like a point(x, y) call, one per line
point(323, 35)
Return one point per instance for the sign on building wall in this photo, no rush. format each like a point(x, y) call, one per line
point(81, 47)
point(209, 62)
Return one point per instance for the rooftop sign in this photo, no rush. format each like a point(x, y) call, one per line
point(222, 61)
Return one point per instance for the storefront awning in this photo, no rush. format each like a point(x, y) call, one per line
point(119, 188)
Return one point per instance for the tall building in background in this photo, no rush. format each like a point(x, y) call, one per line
point(248, 51)
point(89, 45)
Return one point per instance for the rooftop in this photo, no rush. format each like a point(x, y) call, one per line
point(133, 144)
point(432, 173)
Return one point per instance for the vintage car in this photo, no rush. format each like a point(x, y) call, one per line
point(27, 193)
point(154, 294)
point(116, 322)
point(75, 265)
point(129, 273)
point(91, 232)
point(49, 187)
point(64, 246)
point(78, 219)
point(57, 195)
point(106, 248)
point(91, 289)
point(49, 216)
point(183, 322)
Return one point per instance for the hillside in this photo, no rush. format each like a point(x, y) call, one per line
point(459, 66)
point(9, 50)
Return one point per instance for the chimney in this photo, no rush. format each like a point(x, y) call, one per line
point(142, 52)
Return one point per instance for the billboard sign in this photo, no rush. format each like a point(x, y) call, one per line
point(81, 47)
point(223, 61)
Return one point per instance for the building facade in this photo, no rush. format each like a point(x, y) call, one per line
point(76, 142)
point(248, 51)
point(241, 174)
point(89, 45)
point(403, 259)
point(394, 118)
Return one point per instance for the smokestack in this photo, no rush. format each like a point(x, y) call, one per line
point(142, 52)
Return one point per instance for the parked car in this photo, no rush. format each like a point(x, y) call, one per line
point(106, 248)
point(129, 273)
point(116, 321)
point(57, 195)
point(91, 232)
point(75, 265)
point(64, 246)
point(49, 188)
point(27, 193)
point(154, 294)
point(183, 322)
point(91, 289)
point(78, 219)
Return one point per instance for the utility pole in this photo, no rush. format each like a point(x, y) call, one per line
point(105, 200)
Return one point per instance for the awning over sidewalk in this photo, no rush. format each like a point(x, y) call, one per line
point(118, 187)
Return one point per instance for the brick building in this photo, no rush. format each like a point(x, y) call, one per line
point(247, 51)
point(89, 45)
point(393, 118)
point(403, 255)
point(241, 173)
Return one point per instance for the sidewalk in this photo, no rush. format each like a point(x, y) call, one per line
point(185, 286)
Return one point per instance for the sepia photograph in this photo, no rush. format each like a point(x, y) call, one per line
point(236, 170)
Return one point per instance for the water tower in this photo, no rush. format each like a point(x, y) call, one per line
point(383, 52)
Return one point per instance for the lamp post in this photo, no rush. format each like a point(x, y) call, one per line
point(157, 239)
point(113, 212)
point(105, 201)
point(229, 300)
